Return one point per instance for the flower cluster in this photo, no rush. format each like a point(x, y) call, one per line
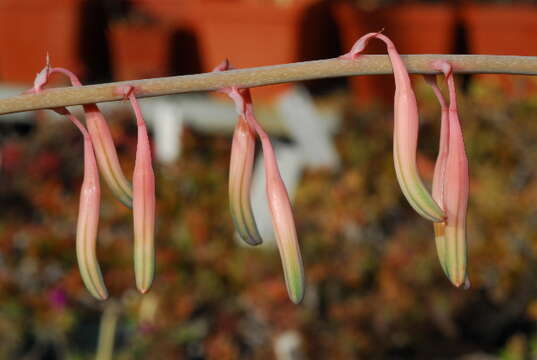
point(447, 204)
point(99, 150)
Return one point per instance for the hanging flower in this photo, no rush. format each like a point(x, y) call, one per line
point(406, 126)
point(143, 181)
point(439, 170)
point(241, 168)
point(88, 213)
point(101, 138)
point(450, 185)
point(277, 196)
point(104, 147)
point(88, 221)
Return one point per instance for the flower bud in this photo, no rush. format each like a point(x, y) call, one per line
point(406, 126)
point(451, 186)
point(240, 178)
point(143, 182)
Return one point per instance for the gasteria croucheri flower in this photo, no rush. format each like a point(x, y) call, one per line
point(88, 219)
point(143, 203)
point(106, 155)
point(446, 207)
point(88, 213)
point(277, 196)
point(283, 222)
point(450, 185)
point(439, 169)
point(241, 168)
point(406, 126)
point(143, 197)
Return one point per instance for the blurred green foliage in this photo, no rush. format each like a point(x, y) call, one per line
point(374, 286)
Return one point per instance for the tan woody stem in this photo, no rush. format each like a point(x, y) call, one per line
point(252, 77)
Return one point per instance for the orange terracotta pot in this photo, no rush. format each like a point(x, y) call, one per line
point(414, 28)
point(165, 10)
point(352, 24)
point(252, 34)
point(503, 30)
point(249, 33)
point(140, 50)
point(420, 28)
point(31, 29)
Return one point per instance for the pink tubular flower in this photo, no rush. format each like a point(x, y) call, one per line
point(240, 178)
point(106, 155)
point(88, 218)
point(450, 187)
point(439, 171)
point(283, 222)
point(406, 126)
point(143, 181)
point(90, 198)
point(241, 169)
point(100, 136)
point(278, 199)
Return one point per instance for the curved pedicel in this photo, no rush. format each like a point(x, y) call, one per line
point(101, 137)
point(143, 181)
point(406, 124)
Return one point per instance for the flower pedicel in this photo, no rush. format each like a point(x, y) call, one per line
point(101, 137)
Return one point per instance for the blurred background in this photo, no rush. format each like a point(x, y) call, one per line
point(375, 289)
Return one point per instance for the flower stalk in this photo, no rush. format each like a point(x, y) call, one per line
point(268, 75)
point(101, 138)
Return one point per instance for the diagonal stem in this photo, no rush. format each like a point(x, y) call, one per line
point(267, 75)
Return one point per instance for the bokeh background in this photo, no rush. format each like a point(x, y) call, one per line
point(375, 289)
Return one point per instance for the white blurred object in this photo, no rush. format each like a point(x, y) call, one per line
point(308, 128)
point(288, 346)
point(166, 120)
